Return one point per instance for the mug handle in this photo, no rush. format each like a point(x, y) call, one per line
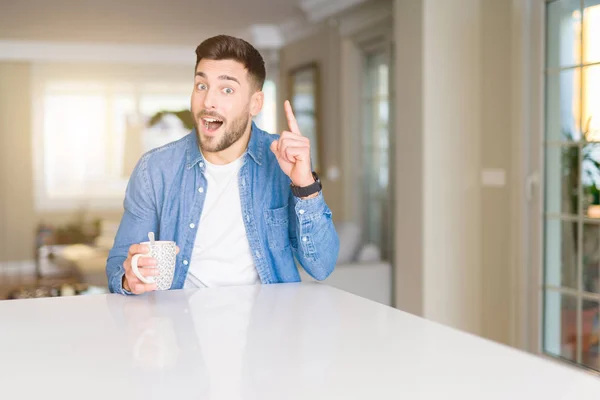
point(136, 271)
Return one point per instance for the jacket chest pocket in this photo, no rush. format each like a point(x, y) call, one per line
point(277, 221)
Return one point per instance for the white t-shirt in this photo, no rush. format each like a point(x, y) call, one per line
point(221, 254)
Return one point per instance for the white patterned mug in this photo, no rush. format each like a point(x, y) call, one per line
point(165, 253)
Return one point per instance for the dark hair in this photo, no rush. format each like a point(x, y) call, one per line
point(223, 47)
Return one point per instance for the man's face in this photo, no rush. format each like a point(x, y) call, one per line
point(223, 102)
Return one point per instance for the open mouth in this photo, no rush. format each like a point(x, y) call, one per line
point(211, 124)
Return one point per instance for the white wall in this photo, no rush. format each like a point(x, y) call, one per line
point(453, 119)
point(17, 219)
point(451, 162)
point(409, 234)
point(497, 154)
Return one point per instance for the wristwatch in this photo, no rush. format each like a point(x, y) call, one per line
point(304, 191)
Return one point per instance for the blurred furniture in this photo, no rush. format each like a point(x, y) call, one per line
point(89, 261)
point(84, 254)
point(51, 275)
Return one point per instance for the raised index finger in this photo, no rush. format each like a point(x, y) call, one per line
point(292, 123)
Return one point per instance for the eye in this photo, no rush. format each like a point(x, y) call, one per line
point(201, 86)
point(228, 91)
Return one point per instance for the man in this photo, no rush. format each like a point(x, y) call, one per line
point(240, 203)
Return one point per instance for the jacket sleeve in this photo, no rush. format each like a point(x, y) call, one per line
point(313, 237)
point(140, 217)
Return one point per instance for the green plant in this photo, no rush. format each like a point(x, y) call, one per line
point(578, 168)
point(185, 116)
point(573, 169)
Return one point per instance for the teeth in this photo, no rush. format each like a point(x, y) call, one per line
point(208, 121)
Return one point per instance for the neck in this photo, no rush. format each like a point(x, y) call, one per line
point(231, 153)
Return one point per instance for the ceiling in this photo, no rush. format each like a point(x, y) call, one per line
point(157, 22)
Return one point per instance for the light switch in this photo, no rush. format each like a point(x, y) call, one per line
point(493, 177)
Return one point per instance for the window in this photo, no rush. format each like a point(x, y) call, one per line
point(90, 132)
point(572, 182)
point(376, 153)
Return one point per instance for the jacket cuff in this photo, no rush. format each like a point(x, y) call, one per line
point(116, 283)
point(312, 208)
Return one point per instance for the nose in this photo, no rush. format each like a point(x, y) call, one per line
point(210, 100)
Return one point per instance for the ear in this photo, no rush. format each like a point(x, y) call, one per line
point(256, 102)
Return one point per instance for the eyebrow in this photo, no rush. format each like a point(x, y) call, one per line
point(221, 77)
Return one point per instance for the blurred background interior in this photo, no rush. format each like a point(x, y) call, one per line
point(457, 142)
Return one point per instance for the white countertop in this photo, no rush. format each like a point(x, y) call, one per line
point(290, 341)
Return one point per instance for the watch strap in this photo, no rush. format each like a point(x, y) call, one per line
point(304, 191)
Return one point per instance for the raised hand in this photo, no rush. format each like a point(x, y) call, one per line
point(293, 151)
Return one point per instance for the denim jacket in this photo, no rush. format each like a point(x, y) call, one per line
point(166, 192)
